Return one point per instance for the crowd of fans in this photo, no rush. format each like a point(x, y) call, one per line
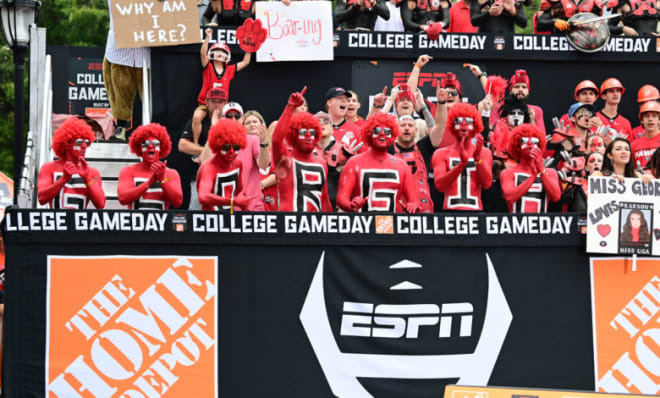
point(408, 154)
point(637, 17)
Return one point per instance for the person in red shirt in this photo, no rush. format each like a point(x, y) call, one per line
point(69, 182)
point(646, 93)
point(149, 184)
point(643, 147)
point(301, 176)
point(219, 178)
point(375, 180)
point(463, 169)
point(459, 18)
point(216, 73)
point(528, 186)
point(352, 109)
point(336, 104)
point(573, 136)
point(611, 92)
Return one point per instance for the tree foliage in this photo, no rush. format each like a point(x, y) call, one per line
point(68, 22)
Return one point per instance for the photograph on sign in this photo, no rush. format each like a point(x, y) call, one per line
point(301, 31)
point(140, 23)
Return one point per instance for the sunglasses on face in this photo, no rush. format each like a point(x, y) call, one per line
point(227, 147)
point(145, 144)
point(377, 130)
point(526, 140)
point(460, 120)
point(324, 121)
point(452, 93)
point(587, 115)
point(80, 141)
point(233, 116)
point(303, 132)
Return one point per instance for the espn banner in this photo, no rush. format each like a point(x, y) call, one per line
point(129, 304)
point(454, 391)
point(621, 216)
point(626, 312)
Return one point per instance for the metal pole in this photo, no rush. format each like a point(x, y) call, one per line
point(19, 117)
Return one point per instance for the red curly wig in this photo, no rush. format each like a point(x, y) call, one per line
point(524, 130)
point(379, 119)
point(464, 109)
point(303, 120)
point(153, 130)
point(69, 131)
point(226, 131)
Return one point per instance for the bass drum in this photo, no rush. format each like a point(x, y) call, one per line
point(588, 37)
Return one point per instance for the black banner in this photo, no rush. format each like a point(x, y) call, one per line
point(86, 89)
point(334, 304)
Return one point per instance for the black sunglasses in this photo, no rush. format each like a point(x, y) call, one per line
point(227, 147)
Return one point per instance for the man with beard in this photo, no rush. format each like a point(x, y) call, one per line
point(528, 186)
point(69, 182)
point(375, 180)
point(643, 147)
point(301, 176)
point(463, 169)
point(611, 92)
point(512, 114)
point(336, 104)
point(418, 155)
point(519, 89)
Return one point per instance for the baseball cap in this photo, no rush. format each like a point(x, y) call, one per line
point(576, 106)
point(232, 106)
point(336, 92)
point(217, 93)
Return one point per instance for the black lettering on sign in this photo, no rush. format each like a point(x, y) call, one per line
point(380, 186)
point(308, 186)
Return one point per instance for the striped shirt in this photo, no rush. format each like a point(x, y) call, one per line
point(124, 56)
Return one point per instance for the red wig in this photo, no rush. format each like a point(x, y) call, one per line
point(226, 131)
point(303, 120)
point(524, 130)
point(153, 130)
point(464, 110)
point(69, 131)
point(379, 119)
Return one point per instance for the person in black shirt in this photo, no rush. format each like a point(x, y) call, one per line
point(360, 14)
point(497, 16)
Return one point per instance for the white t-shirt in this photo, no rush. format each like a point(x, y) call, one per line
point(394, 24)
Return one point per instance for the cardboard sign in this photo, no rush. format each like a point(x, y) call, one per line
point(626, 312)
point(6, 193)
point(137, 326)
point(621, 216)
point(301, 31)
point(454, 391)
point(154, 23)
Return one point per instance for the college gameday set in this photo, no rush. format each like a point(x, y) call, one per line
point(179, 304)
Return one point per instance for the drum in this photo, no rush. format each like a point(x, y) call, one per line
point(588, 37)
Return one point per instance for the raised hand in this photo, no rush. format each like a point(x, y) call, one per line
point(158, 170)
point(441, 93)
point(380, 98)
point(478, 146)
point(297, 99)
point(462, 151)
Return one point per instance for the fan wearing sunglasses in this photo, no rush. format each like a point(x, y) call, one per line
point(528, 186)
point(219, 178)
point(150, 185)
point(301, 176)
point(375, 180)
point(68, 182)
point(463, 169)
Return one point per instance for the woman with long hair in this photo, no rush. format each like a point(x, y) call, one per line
point(618, 162)
point(636, 229)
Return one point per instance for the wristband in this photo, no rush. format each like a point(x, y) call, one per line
point(89, 184)
point(542, 172)
point(418, 65)
point(478, 162)
point(165, 180)
point(231, 205)
point(263, 145)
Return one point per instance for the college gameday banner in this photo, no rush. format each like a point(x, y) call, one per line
point(621, 216)
point(86, 93)
point(147, 23)
point(300, 31)
point(626, 312)
point(134, 320)
point(453, 391)
point(145, 304)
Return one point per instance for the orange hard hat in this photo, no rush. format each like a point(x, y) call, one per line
point(612, 82)
point(647, 93)
point(650, 106)
point(585, 85)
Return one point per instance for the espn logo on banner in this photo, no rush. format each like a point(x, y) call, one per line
point(136, 327)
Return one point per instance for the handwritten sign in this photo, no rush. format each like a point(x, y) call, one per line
point(301, 31)
point(621, 216)
point(151, 23)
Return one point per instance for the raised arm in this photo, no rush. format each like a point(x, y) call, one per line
point(413, 79)
point(279, 135)
point(204, 50)
point(437, 132)
point(244, 62)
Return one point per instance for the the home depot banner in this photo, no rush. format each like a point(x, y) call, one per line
point(626, 313)
point(134, 321)
point(621, 216)
point(131, 311)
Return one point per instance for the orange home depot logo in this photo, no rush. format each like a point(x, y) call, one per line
point(626, 313)
point(138, 327)
point(384, 225)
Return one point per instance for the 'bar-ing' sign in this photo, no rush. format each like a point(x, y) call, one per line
point(301, 31)
point(151, 23)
